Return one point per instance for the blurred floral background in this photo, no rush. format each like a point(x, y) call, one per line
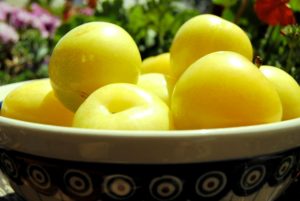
point(30, 29)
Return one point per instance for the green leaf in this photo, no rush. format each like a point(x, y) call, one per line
point(136, 19)
point(225, 3)
point(295, 5)
point(228, 14)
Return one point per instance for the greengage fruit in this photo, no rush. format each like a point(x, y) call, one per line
point(287, 88)
point(123, 106)
point(35, 101)
point(158, 84)
point(224, 89)
point(90, 56)
point(205, 34)
point(157, 64)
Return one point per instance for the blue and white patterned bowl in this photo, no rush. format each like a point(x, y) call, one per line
point(51, 163)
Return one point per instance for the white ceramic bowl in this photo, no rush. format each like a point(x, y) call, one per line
point(54, 163)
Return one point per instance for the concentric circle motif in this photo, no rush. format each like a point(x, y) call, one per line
point(284, 168)
point(166, 187)
point(253, 177)
point(211, 184)
point(119, 187)
point(9, 166)
point(38, 176)
point(78, 182)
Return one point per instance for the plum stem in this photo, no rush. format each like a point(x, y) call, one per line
point(258, 61)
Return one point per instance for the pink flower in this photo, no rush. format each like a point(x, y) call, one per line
point(44, 21)
point(5, 10)
point(87, 11)
point(8, 33)
point(47, 24)
point(37, 10)
point(21, 19)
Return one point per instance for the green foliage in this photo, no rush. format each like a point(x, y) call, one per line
point(290, 50)
point(25, 59)
point(225, 3)
point(152, 25)
point(295, 5)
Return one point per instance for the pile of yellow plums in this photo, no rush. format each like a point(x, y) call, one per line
point(98, 80)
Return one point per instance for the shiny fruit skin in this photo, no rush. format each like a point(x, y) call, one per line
point(157, 64)
point(123, 106)
point(205, 34)
point(90, 56)
point(158, 84)
point(287, 88)
point(224, 89)
point(35, 101)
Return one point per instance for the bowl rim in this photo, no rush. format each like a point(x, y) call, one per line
point(147, 146)
point(229, 131)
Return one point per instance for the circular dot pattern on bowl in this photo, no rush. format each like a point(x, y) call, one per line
point(258, 178)
point(211, 183)
point(119, 186)
point(166, 187)
point(77, 182)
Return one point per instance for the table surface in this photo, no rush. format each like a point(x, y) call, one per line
point(7, 194)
